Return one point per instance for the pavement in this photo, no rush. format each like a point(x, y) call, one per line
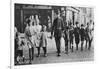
point(76, 56)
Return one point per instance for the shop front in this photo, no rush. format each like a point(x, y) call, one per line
point(25, 11)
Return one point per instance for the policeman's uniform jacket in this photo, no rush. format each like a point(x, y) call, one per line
point(58, 27)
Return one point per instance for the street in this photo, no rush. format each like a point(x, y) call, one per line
point(75, 56)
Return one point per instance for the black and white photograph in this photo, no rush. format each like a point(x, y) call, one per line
point(45, 34)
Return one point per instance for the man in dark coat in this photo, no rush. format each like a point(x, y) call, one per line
point(77, 35)
point(57, 28)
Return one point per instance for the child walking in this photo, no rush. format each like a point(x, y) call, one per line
point(43, 41)
point(30, 52)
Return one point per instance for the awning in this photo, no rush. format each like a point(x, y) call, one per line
point(73, 9)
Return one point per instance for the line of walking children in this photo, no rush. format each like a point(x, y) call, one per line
point(78, 33)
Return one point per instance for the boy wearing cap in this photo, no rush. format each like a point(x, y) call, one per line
point(71, 35)
point(77, 35)
point(82, 34)
point(66, 37)
point(87, 34)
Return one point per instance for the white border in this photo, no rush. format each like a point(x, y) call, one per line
point(78, 3)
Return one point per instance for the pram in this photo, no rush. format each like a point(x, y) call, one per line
point(20, 56)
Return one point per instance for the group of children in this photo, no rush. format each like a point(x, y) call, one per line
point(80, 33)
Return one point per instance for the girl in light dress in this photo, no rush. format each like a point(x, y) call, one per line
point(30, 36)
point(43, 42)
point(41, 38)
point(35, 30)
point(38, 34)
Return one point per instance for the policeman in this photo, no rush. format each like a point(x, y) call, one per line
point(57, 28)
point(77, 35)
point(82, 34)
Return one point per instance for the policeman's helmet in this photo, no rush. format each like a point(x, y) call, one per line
point(57, 11)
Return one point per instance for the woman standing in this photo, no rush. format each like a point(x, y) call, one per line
point(32, 29)
point(28, 40)
point(38, 34)
point(29, 36)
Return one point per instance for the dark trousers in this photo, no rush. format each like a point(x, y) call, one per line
point(57, 40)
point(20, 53)
point(44, 49)
point(77, 42)
point(82, 42)
point(87, 41)
point(30, 54)
point(71, 43)
point(66, 45)
point(90, 41)
point(16, 51)
point(16, 55)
